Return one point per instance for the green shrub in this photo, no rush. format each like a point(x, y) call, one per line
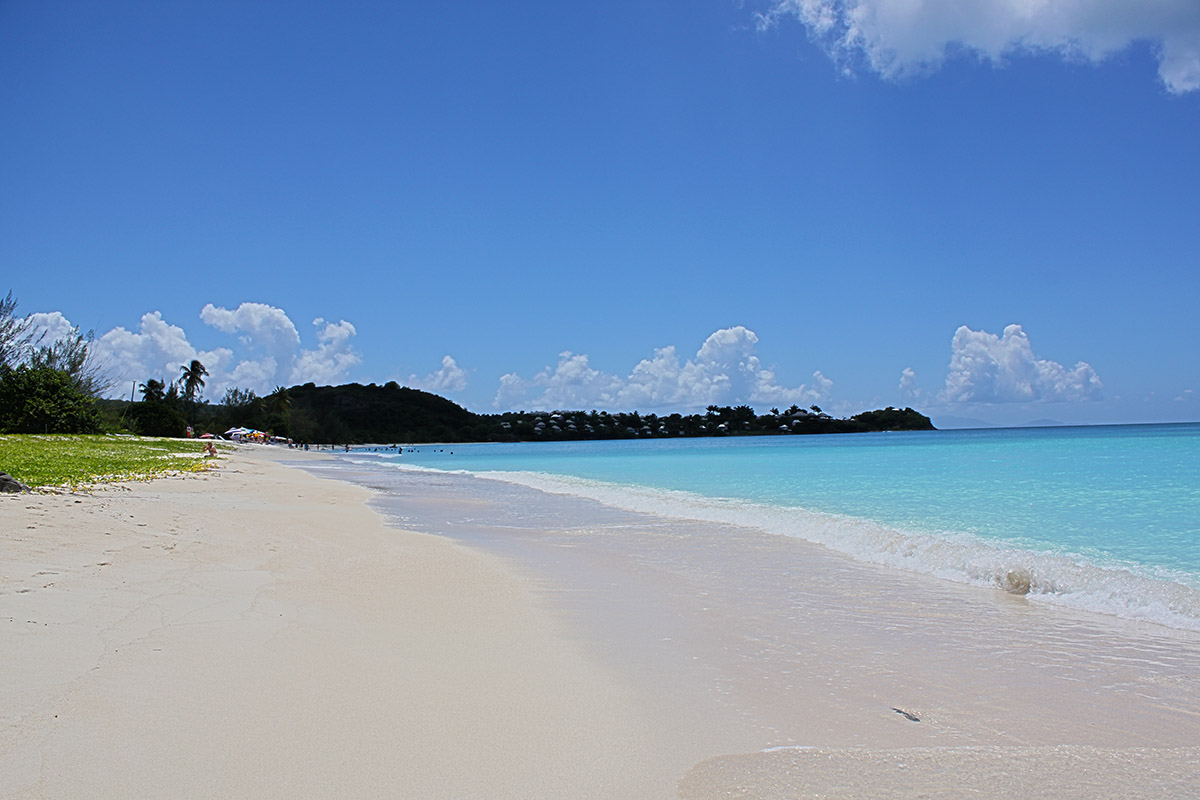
point(43, 400)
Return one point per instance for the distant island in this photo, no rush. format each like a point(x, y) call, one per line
point(358, 414)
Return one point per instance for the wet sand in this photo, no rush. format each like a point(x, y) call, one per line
point(814, 666)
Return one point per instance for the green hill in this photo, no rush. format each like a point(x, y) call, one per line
point(356, 414)
point(388, 413)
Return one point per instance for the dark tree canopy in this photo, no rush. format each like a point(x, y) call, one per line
point(43, 400)
point(157, 418)
point(355, 414)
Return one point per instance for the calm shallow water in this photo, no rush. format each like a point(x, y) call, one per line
point(1100, 518)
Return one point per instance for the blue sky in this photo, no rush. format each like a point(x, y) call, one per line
point(621, 205)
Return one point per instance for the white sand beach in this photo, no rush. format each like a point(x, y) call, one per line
point(257, 631)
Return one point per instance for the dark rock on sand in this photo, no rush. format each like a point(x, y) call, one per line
point(10, 484)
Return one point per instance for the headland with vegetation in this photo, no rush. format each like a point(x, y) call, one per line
point(57, 387)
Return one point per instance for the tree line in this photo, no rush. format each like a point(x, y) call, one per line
point(357, 414)
point(739, 420)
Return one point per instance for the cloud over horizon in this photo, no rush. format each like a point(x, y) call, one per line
point(901, 39)
point(268, 349)
point(265, 350)
point(724, 371)
point(156, 350)
point(986, 368)
point(450, 378)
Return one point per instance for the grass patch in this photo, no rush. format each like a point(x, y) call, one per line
point(69, 461)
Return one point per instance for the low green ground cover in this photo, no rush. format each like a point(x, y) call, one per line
point(72, 461)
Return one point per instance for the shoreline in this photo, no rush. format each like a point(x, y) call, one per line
point(810, 651)
point(262, 631)
point(1114, 539)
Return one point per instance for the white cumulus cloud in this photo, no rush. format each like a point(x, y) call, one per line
point(272, 352)
point(897, 38)
point(261, 326)
point(156, 350)
point(333, 358)
point(257, 374)
point(267, 350)
point(450, 378)
point(47, 328)
point(986, 368)
point(572, 383)
point(908, 383)
point(724, 371)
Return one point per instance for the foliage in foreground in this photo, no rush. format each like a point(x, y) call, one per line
point(74, 461)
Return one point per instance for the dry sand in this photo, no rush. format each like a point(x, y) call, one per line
point(259, 632)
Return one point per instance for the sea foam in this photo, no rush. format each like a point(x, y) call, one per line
point(1158, 595)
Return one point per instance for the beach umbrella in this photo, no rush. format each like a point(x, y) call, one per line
point(207, 436)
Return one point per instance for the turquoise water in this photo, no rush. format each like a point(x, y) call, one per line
point(1103, 518)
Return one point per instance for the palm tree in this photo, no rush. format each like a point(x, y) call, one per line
point(193, 379)
point(279, 401)
point(152, 390)
point(279, 406)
